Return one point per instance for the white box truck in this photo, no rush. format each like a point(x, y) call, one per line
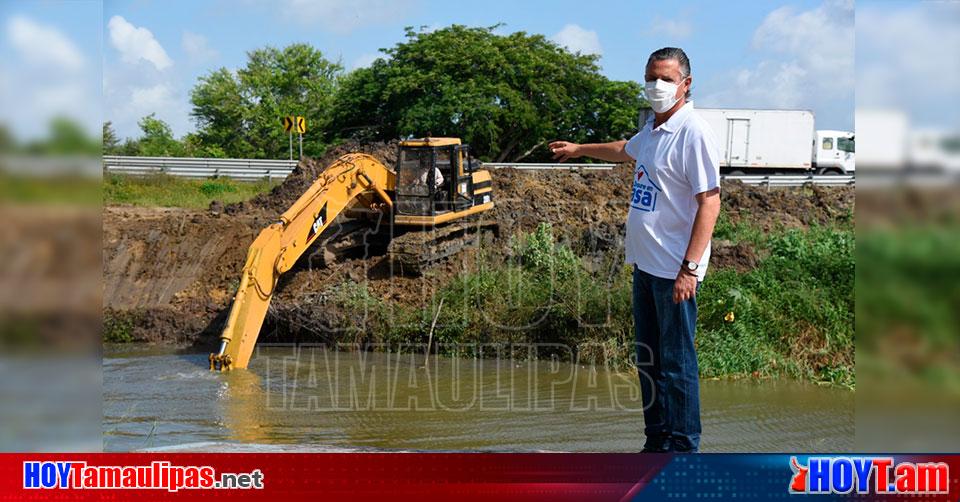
point(934, 150)
point(778, 141)
point(889, 142)
point(883, 135)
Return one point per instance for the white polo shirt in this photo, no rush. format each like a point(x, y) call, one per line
point(675, 162)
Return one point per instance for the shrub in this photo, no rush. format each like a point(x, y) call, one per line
point(117, 328)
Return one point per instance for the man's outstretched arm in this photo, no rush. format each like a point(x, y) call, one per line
point(610, 152)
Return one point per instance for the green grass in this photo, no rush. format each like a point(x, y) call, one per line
point(909, 278)
point(793, 315)
point(170, 191)
point(55, 190)
point(907, 302)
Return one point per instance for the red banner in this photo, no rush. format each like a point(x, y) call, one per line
point(290, 477)
point(473, 476)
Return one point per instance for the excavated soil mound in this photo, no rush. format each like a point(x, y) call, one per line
point(282, 196)
point(787, 208)
point(170, 274)
point(739, 256)
point(586, 209)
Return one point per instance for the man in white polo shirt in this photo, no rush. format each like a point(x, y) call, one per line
point(673, 208)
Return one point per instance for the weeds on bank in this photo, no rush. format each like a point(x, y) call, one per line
point(64, 190)
point(907, 299)
point(791, 316)
point(118, 328)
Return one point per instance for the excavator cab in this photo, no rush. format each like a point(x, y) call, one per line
point(434, 177)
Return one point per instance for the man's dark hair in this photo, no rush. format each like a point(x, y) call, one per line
point(673, 53)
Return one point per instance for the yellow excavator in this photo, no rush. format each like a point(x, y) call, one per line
point(431, 200)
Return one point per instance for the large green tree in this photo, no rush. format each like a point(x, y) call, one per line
point(157, 139)
point(65, 137)
point(506, 95)
point(240, 112)
point(109, 139)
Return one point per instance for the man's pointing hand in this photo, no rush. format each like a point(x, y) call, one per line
point(563, 150)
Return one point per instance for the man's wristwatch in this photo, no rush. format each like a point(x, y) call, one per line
point(690, 267)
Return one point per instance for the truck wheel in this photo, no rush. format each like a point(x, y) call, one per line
point(737, 173)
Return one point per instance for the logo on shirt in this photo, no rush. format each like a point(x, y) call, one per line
point(645, 191)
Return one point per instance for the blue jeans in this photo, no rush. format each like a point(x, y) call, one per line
point(667, 364)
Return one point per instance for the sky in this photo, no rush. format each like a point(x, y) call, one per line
point(144, 56)
point(50, 65)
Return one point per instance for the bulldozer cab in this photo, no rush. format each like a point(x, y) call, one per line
point(433, 177)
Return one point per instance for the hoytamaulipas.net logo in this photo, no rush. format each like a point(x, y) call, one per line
point(877, 475)
point(158, 475)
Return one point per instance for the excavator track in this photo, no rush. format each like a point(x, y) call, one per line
point(350, 239)
point(417, 249)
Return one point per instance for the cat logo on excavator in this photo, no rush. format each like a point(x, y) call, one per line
point(318, 223)
point(433, 201)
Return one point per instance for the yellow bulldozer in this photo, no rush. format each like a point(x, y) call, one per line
point(431, 201)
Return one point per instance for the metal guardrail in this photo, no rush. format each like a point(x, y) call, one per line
point(50, 165)
point(191, 167)
point(254, 170)
point(876, 178)
point(780, 180)
point(531, 166)
point(764, 180)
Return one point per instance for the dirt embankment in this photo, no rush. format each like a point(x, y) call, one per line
point(282, 196)
point(170, 274)
point(787, 208)
point(50, 287)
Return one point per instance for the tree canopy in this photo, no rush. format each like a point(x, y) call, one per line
point(158, 140)
point(109, 138)
point(505, 95)
point(65, 136)
point(240, 112)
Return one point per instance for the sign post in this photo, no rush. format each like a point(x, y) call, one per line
point(301, 128)
point(296, 123)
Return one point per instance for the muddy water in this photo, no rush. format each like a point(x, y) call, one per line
point(318, 400)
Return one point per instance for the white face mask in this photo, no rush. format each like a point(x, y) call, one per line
point(661, 94)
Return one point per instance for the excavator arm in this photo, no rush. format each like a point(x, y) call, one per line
point(277, 248)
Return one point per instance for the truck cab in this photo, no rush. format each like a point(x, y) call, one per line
point(834, 152)
point(933, 150)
